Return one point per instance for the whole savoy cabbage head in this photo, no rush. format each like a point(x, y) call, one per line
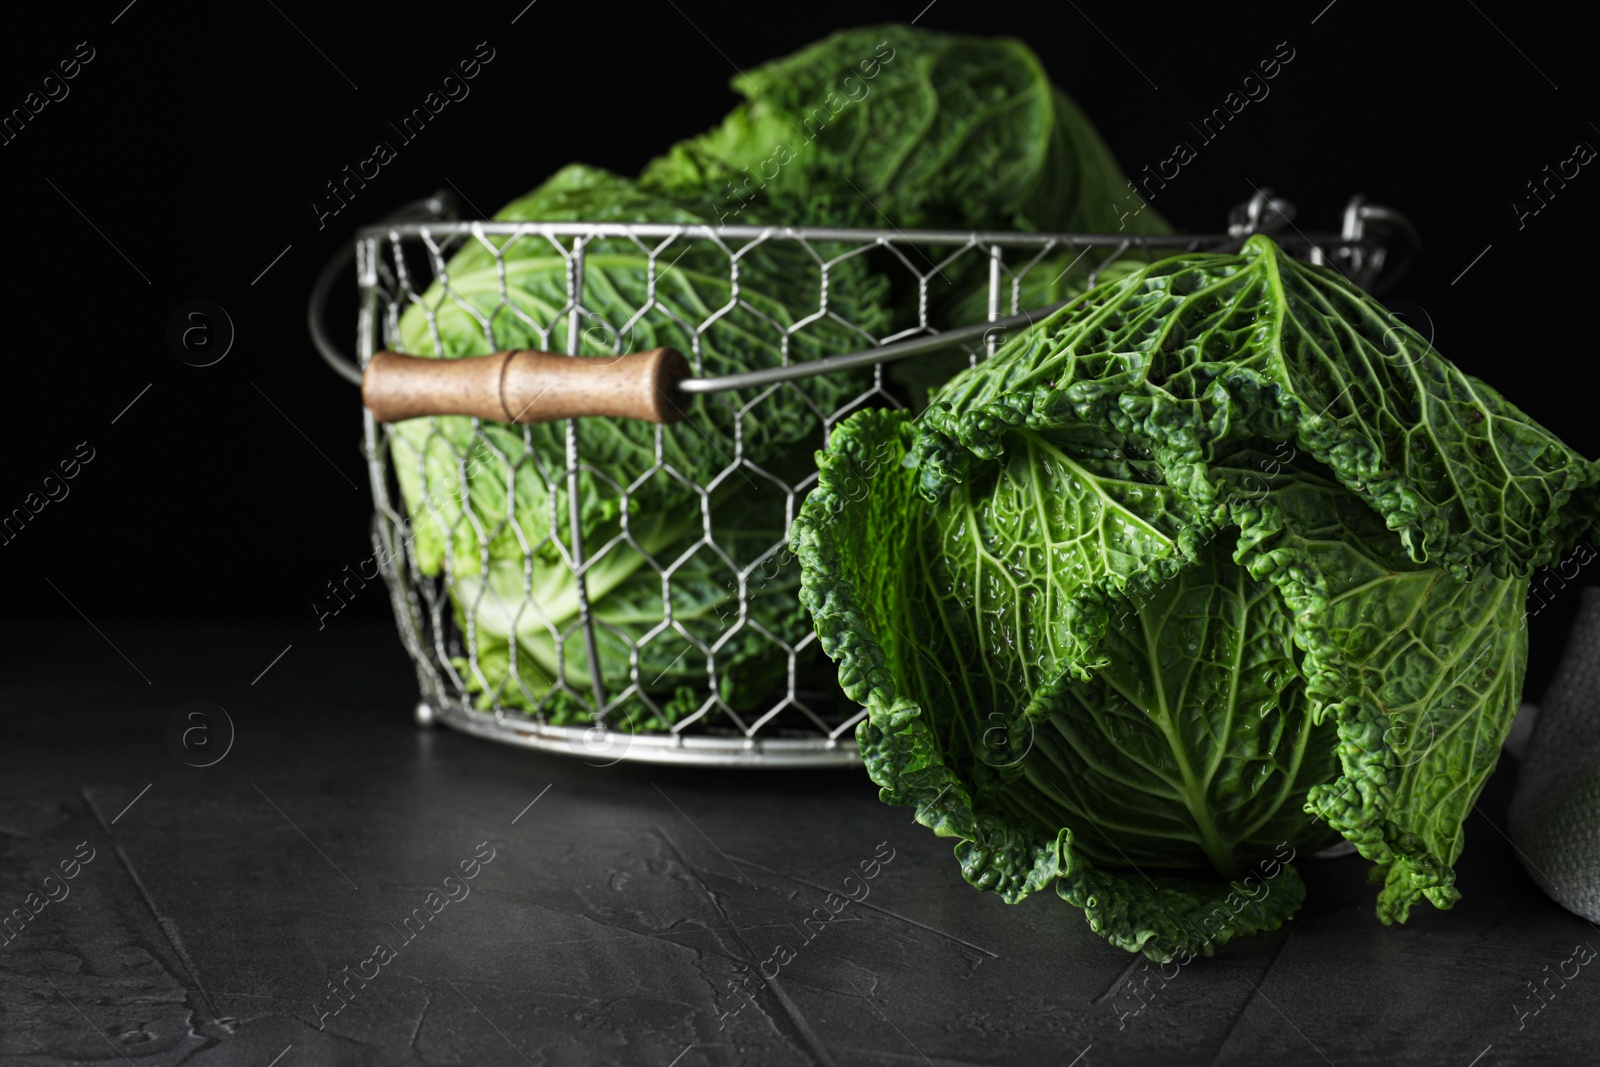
point(1218, 564)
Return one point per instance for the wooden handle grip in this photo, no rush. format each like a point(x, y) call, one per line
point(526, 386)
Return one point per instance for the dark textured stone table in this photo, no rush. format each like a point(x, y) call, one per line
point(610, 921)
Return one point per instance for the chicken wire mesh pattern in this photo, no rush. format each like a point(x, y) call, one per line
point(657, 619)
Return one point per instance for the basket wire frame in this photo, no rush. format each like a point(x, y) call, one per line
point(796, 728)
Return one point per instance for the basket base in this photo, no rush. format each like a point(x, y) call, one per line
point(601, 747)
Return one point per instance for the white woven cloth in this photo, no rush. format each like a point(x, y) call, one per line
point(1555, 812)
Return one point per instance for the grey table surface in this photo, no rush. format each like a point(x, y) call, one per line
point(619, 911)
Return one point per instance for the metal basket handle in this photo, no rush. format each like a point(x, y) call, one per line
point(527, 386)
point(440, 206)
point(655, 386)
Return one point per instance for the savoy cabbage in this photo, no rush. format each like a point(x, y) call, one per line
point(944, 131)
point(489, 502)
point(1219, 563)
point(899, 126)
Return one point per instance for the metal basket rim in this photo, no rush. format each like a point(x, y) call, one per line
point(860, 235)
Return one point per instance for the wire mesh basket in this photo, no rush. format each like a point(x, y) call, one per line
point(621, 589)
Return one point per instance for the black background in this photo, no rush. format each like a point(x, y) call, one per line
point(196, 138)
